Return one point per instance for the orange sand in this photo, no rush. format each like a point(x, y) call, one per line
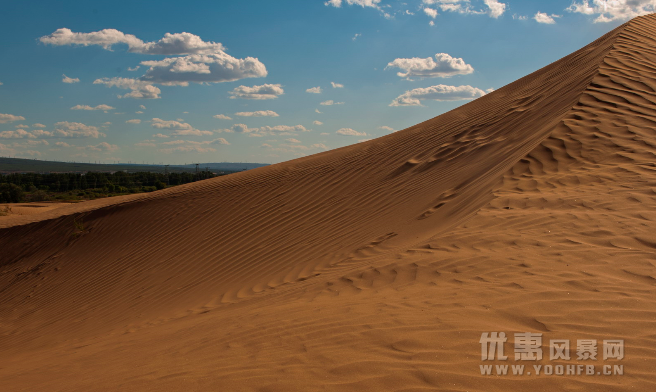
point(374, 267)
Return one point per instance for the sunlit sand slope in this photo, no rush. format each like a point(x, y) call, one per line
point(371, 267)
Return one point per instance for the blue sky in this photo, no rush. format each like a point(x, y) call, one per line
point(263, 81)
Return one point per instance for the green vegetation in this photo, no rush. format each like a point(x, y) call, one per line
point(23, 187)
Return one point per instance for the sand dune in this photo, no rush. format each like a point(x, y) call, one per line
point(371, 267)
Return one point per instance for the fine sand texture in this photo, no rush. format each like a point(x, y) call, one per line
point(373, 267)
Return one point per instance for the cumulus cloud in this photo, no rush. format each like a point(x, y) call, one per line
point(38, 125)
point(16, 134)
point(132, 69)
point(336, 85)
point(545, 18)
point(314, 90)
point(608, 11)
point(292, 140)
point(265, 91)
point(134, 121)
point(361, 3)
point(386, 128)
point(66, 79)
point(178, 128)
point(266, 130)
point(22, 126)
point(350, 132)
point(317, 122)
point(494, 8)
point(222, 117)
point(6, 118)
point(430, 12)
point(76, 130)
point(42, 133)
point(440, 92)
point(139, 89)
point(330, 102)
point(202, 68)
point(87, 107)
point(259, 113)
point(103, 147)
point(161, 135)
point(444, 66)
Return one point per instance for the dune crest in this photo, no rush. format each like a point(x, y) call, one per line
point(526, 209)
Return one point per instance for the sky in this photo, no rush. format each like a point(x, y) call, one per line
point(263, 81)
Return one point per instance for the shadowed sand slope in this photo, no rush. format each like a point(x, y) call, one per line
point(371, 267)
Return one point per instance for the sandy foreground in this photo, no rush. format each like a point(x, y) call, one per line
point(374, 267)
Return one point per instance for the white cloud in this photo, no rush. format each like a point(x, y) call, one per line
point(266, 130)
point(444, 66)
point(22, 126)
point(66, 79)
point(440, 92)
point(292, 140)
point(356, 36)
point(87, 107)
point(361, 3)
point(161, 135)
point(219, 141)
point(265, 91)
point(222, 117)
point(330, 102)
point(542, 17)
point(364, 140)
point(431, 23)
point(317, 122)
point(138, 112)
point(259, 113)
point(494, 8)
point(336, 85)
point(42, 133)
point(190, 148)
point(430, 12)
point(5, 118)
point(143, 107)
point(178, 128)
point(62, 144)
point(173, 142)
point(608, 11)
point(317, 111)
point(105, 38)
point(324, 134)
point(132, 69)
point(314, 90)
point(38, 125)
point(16, 134)
point(135, 121)
point(350, 132)
point(386, 128)
point(104, 147)
point(140, 89)
point(75, 130)
point(202, 68)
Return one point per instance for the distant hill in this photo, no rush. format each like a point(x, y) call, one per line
point(10, 165)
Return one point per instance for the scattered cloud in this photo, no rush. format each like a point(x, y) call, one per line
point(266, 130)
point(350, 132)
point(440, 92)
point(134, 121)
point(356, 36)
point(330, 102)
point(62, 144)
point(336, 85)
point(22, 126)
point(5, 118)
point(608, 11)
point(292, 140)
point(103, 107)
point(520, 17)
point(76, 130)
point(444, 66)
point(161, 135)
point(542, 17)
point(42, 133)
point(317, 111)
point(66, 79)
point(265, 91)
point(314, 90)
point(386, 128)
point(140, 89)
point(178, 128)
point(493, 8)
point(430, 12)
point(16, 134)
point(103, 147)
point(145, 144)
point(259, 113)
point(189, 148)
point(38, 125)
point(222, 117)
point(316, 122)
point(142, 107)
point(324, 134)
point(132, 69)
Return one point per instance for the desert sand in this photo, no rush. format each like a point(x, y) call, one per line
point(373, 267)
